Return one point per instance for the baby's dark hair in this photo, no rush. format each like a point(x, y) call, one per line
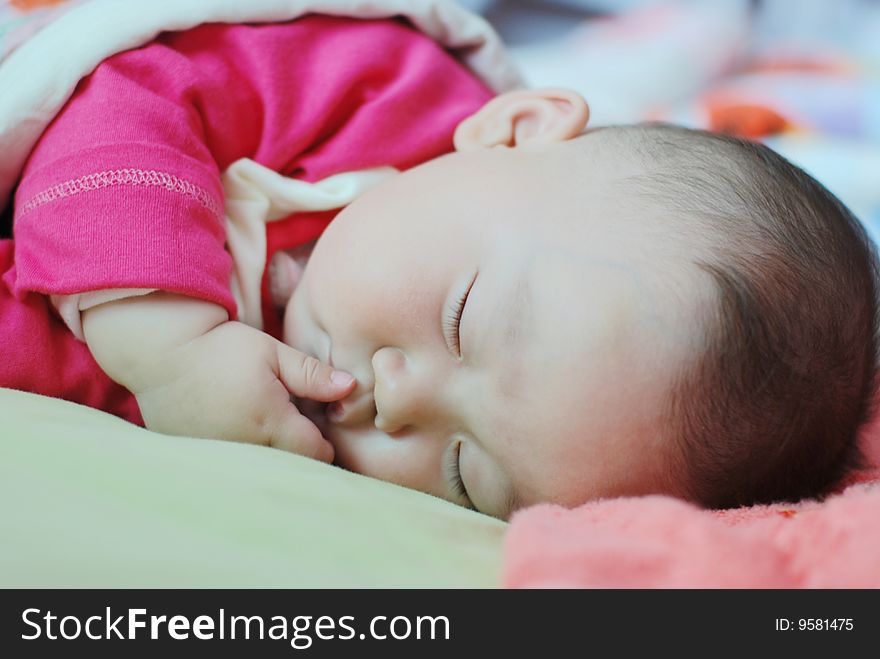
point(772, 405)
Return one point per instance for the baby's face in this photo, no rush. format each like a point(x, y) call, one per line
point(506, 324)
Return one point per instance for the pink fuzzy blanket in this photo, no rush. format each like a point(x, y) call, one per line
point(661, 542)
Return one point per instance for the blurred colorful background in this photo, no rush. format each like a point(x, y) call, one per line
point(801, 75)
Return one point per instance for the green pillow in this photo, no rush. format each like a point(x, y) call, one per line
point(90, 500)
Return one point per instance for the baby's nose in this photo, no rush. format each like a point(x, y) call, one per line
point(402, 391)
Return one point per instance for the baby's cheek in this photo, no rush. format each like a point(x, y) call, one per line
point(483, 479)
point(354, 449)
point(408, 462)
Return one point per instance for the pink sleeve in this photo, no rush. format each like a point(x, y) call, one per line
point(123, 189)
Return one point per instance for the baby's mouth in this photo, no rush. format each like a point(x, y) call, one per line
point(314, 411)
point(336, 411)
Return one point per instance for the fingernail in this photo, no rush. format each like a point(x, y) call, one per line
point(341, 378)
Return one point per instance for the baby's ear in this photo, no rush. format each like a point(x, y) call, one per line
point(525, 116)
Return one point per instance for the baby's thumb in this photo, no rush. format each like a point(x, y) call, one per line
point(307, 377)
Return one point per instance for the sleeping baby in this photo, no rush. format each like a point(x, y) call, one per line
point(530, 311)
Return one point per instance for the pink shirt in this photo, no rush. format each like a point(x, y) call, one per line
point(123, 189)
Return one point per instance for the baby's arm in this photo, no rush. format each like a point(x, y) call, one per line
point(195, 373)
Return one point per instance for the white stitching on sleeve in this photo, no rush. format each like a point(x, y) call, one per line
point(115, 177)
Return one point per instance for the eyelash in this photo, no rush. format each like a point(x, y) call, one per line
point(452, 320)
point(452, 469)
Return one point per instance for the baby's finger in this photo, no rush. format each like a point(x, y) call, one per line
point(307, 377)
point(297, 434)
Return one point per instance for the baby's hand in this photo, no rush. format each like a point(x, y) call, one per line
point(195, 373)
point(235, 382)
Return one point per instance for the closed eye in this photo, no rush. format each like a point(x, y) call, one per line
point(452, 319)
point(452, 473)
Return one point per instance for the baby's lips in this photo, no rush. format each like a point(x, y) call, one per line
point(351, 410)
point(335, 411)
point(314, 411)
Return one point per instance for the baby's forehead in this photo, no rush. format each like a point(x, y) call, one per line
point(600, 313)
point(572, 302)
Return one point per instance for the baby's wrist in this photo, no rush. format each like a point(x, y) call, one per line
point(136, 340)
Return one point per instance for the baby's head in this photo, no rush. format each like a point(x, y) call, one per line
point(559, 315)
